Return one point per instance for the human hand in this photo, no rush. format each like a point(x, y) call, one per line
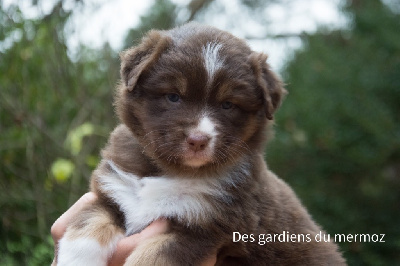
point(125, 246)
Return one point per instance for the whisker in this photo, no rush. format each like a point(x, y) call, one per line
point(239, 142)
point(161, 155)
point(149, 143)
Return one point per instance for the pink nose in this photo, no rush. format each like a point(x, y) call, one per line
point(197, 142)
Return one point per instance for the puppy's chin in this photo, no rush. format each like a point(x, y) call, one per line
point(196, 159)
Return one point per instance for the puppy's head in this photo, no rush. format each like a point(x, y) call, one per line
point(196, 96)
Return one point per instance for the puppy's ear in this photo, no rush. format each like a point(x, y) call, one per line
point(139, 58)
point(268, 82)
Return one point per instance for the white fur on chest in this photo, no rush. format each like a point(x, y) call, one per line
point(144, 200)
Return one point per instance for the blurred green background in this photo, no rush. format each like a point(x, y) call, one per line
point(337, 135)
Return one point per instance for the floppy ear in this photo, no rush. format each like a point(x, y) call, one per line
point(269, 83)
point(139, 58)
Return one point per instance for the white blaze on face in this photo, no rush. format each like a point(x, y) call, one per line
point(212, 60)
point(206, 128)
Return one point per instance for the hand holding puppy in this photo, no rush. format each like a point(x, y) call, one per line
point(125, 246)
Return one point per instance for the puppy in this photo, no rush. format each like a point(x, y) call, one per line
point(195, 104)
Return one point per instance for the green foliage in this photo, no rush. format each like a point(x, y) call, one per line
point(26, 252)
point(75, 137)
point(45, 99)
point(62, 169)
point(338, 133)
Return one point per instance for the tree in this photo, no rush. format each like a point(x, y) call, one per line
point(337, 138)
point(45, 100)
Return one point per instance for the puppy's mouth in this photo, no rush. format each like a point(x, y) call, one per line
point(198, 149)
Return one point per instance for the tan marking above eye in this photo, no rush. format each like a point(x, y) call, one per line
point(181, 85)
point(230, 88)
point(169, 84)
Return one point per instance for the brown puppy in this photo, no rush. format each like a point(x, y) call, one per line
point(195, 104)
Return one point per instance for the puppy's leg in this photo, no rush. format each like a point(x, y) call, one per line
point(90, 239)
point(171, 249)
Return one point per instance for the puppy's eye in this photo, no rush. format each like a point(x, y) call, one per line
point(227, 105)
point(173, 97)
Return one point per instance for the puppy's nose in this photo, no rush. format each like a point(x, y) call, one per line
point(197, 142)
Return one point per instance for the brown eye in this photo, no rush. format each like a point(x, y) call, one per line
point(173, 97)
point(227, 105)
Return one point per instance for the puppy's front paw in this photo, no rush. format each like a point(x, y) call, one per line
point(169, 250)
point(84, 251)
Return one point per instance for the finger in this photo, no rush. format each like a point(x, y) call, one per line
point(128, 244)
point(155, 228)
point(210, 261)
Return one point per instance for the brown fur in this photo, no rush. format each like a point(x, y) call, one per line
point(95, 222)
point(151, 140)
